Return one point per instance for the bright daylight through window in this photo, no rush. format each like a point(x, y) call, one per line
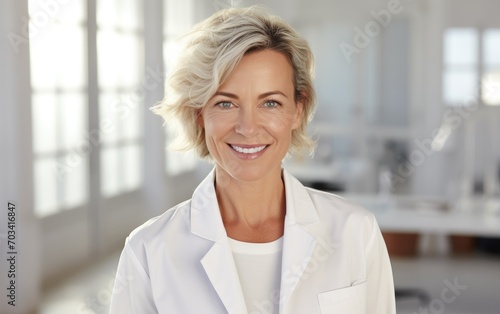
point(471, 66)
point(177, 21)
point(120, 68)
point(59, 107)
point(62, 105)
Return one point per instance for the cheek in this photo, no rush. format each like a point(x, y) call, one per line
point(216, 125)
point(280, 124)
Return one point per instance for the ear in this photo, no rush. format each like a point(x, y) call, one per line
point(299, 111)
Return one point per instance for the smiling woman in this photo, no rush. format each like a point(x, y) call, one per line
point(252, 239)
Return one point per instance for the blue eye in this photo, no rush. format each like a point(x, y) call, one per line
point(271, 104)
point(225, 104)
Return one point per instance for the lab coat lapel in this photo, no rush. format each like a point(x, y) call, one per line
point(218, 262)
point(300, 238)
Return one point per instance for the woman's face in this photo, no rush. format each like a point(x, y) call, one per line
point(249, 121)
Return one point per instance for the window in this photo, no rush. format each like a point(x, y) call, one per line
point(491, 67)
point(120, 64)
point(178, 20)
point(59, 106)
point(460, 76)
point(471, 54)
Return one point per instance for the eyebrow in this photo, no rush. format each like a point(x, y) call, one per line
point(264, 95)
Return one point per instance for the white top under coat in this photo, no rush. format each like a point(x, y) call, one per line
point(259, 272)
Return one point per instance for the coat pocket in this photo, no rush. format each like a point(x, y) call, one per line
point(350, 300)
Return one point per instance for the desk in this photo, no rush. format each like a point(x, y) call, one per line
point(410, 214)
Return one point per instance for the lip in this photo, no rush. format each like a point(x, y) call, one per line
point(248, 145)
point(248, 156)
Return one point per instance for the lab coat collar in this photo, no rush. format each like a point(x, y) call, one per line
point(218, 262)
point(300, 238)
point(206, 220)
point(299, 206)
point(298, 245)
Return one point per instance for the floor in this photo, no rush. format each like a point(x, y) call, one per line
point(87, 292)
point(456, 285)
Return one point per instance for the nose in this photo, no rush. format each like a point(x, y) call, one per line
point(248, 124)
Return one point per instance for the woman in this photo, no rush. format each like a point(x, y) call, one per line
point(252, 239)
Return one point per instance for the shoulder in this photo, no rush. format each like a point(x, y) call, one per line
point(160, 226)
point(342, 214)
point(333, 211)
point(329, 203)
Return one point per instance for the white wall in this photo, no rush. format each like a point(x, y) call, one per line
point(15, 162)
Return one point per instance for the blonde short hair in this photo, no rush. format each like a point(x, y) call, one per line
point(213, 49)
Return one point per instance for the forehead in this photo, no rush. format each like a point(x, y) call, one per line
point(261, 69)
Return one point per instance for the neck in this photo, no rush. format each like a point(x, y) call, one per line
point(252, 211)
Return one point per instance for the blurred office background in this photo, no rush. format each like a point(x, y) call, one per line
point(407, 124)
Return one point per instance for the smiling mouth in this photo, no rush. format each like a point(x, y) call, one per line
point(248, 150)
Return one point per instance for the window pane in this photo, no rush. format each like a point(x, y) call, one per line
point(75, 184)
point(68, 11)
point(45, 186)
point(491, 88)
point(44, 114)
point(459, 87)
point(120, 59)
point(132, 167)
point(73, 128)
point(171, 49)
point(126, 15)
point(58, 65)
point(58, 58)
point(44, 55)
point(108, 77)
point(177, 16)
point(110, 176)
point(178, 19)
point(129, 14)
point(110, 110)
point(74, 11)
point(178, 162)
point(460, 46)
point(106, 13)
point(131, 125)
point(491, 49)
point(72, 63)
point(121, 169)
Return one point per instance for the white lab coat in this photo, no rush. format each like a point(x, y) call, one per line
point(334, 260)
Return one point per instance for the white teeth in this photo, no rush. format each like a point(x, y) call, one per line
point(252, 150)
